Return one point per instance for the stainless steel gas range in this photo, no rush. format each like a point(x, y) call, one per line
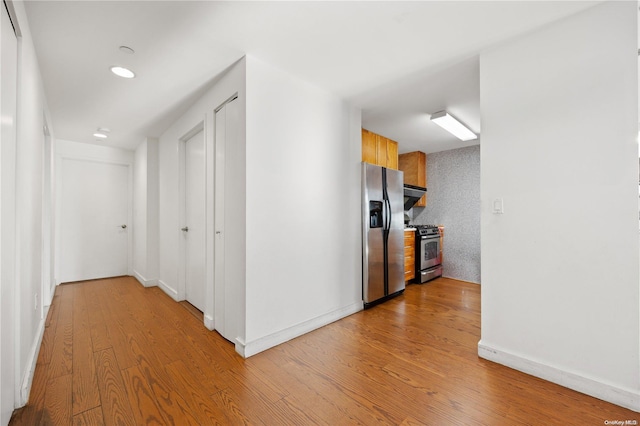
point(428, 254)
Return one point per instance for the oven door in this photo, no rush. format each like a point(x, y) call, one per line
point(430, 252)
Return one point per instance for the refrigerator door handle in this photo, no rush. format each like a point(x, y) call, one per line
point(384, 214)
point(388, 218)
point(385, 199)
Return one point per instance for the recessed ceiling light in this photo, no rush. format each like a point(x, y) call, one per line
point(127, 50)
point(123, 72)
point(102, 133)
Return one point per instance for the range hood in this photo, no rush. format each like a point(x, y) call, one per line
point(412, 194)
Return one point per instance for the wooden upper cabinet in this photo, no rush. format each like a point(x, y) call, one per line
point(369, 147)
point(392, 154)
point(414, 166)
point(376, 149)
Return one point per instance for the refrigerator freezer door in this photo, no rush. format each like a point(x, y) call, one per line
point(382, 246)
point(372, 237)
point(395, 243)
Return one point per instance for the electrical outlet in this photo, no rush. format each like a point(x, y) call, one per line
point(35, 302)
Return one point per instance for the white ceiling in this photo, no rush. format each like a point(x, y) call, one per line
point(398, 61)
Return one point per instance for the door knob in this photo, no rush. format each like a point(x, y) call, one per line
point(123, 226)
point(185, 229)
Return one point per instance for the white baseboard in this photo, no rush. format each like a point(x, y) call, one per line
point(167, 289)
point(240, 348)
point(145, 282)
point(266, 342)
point(209, 322)
point(27, 378)
point(460, 279)
point(627, 398)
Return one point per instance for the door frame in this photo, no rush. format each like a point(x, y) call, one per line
point(214, 210)
point(58, 204)
point(182, 206)
point(216, 228)
point(48, 220)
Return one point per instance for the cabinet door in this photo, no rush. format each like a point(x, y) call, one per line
point(369, 147)
point(387, 152)
point(392, 154)
point(409, 255)
point(422, 177)
point(381, 150)
point(378, 150)
point(414, 166)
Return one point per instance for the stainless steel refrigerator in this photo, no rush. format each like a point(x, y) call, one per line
point(382, 234)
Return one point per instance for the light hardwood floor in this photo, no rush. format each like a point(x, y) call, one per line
point(114, 352)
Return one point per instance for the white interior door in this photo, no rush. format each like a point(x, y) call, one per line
point(226, 295)
point(94, 212)
point(194, 231)
point(8, 80)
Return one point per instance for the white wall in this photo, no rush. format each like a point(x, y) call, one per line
point(453, 180)
point(27, 301)
point(295, 171)
point(67, 148)
point(31, 111)
point(145, 212)
point(152, 211)
point(202, 111)
point(560, 278)
point(140, 213)
point(8, 287)
point(303, 210)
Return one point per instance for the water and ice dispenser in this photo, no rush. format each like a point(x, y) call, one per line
point(375, 214)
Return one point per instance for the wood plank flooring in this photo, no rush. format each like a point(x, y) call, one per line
point(116, 353)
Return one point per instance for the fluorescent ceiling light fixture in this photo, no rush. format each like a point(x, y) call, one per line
point(123, 72)
point(453, 126)
point(100, 135)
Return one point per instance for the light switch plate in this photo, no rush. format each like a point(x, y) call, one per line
point(498, 206)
